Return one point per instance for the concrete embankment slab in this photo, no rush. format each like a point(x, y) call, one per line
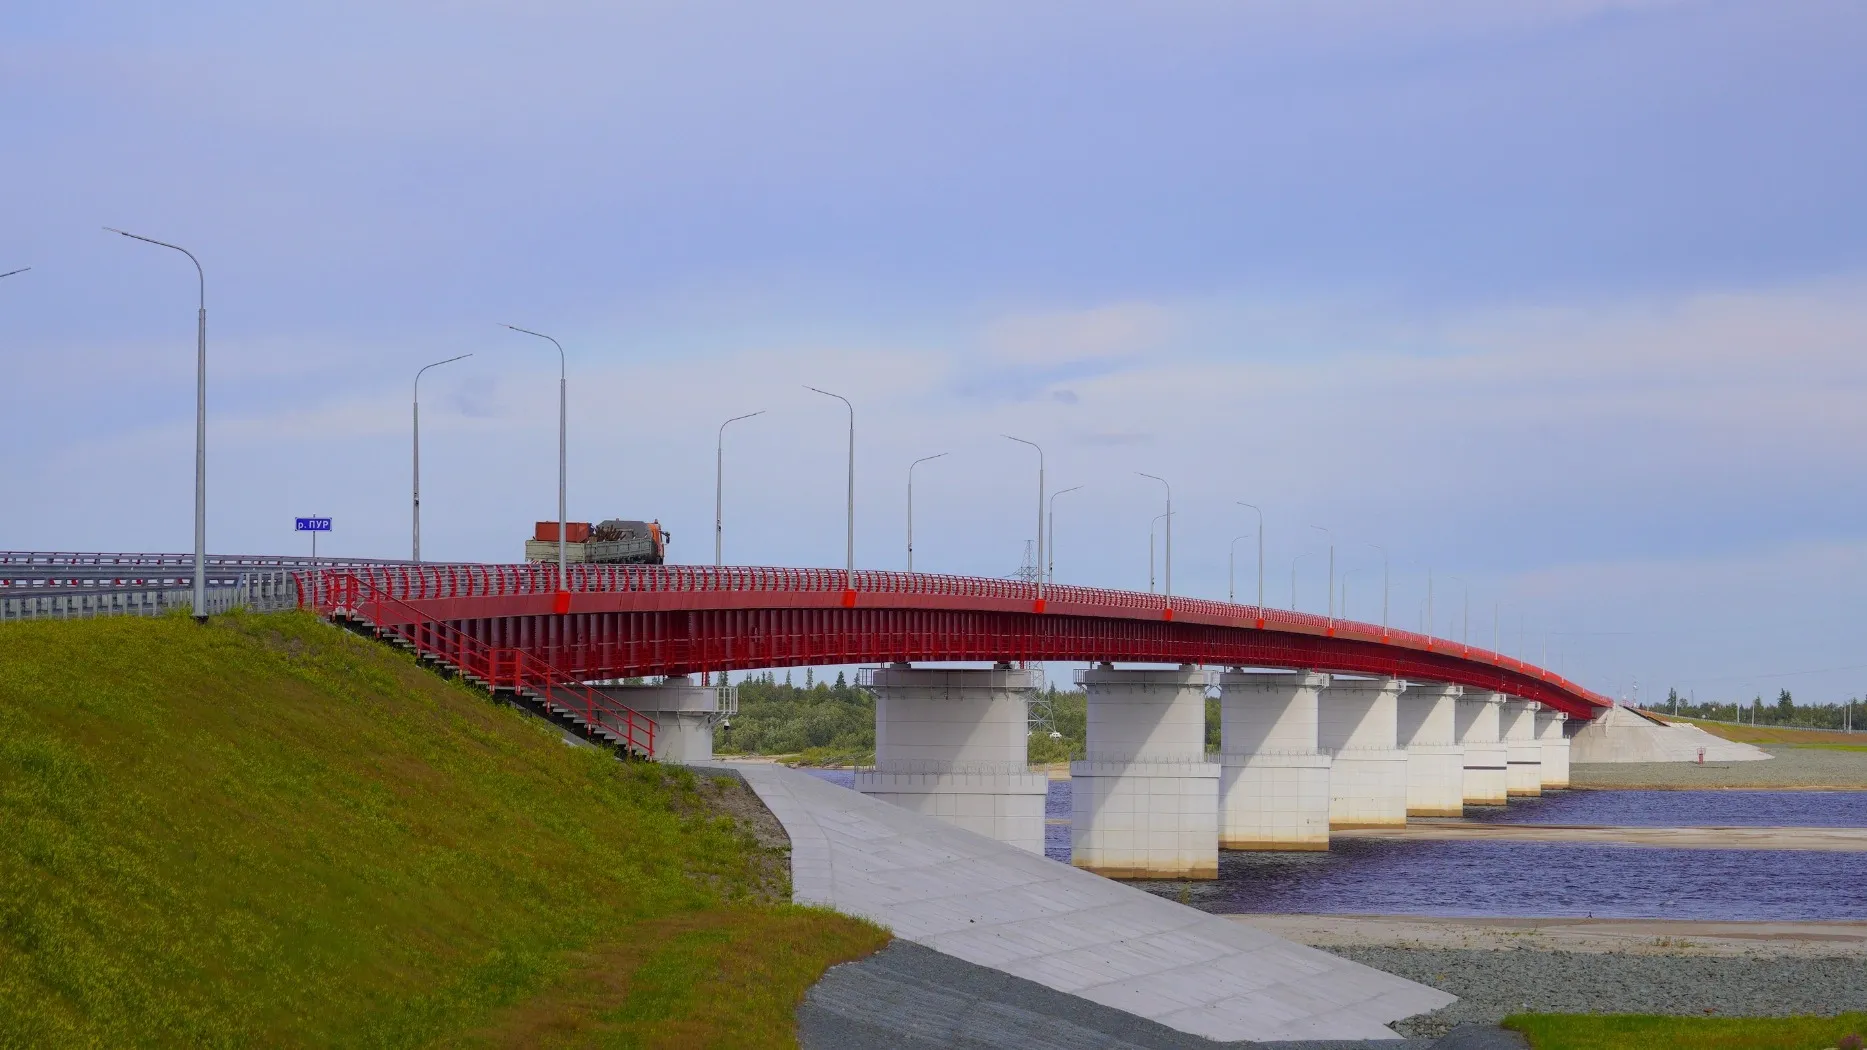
point(1621, 735)
point(997, 906)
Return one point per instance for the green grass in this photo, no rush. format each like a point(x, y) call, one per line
point(833, 756)
point(266, 831)
point(1644, 1032)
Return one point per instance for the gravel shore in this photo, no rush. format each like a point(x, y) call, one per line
point(1494, 984)
point(1790, 768)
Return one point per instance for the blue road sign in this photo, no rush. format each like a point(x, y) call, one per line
point(314, 524)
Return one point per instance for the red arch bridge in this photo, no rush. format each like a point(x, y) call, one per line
point(520, 627)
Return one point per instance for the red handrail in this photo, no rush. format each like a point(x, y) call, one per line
point(452, 581)
point(508, 668)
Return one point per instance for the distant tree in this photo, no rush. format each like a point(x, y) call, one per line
point(842, 684)
point(1785, 707)
point(810, 678)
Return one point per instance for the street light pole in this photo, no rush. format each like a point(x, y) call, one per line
point(849, 570)
point(563, 524)
point(1040, 510)
point(1431, 624)
point(911, 467)
point(1231, 572)
point(1260, 552)
point(1466, 630)
point(1293, 578)
point(200, 426)
point(415, 493)
point(1169, 488)
point(1383, 551)
point(1150, 550)
point(719, 480)
point(1050, 570)
point(1331, 536)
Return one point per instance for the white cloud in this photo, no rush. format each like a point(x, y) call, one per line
point(1116, 331)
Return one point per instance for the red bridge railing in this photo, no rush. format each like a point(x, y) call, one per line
point(422, 582)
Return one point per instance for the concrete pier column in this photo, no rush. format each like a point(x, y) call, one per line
point(952, 743)
point(1428, 732)
point(1481, 733)
point(682, 711)
point(1273, 776)
point(1524, 751)
point(1358, 725)
point(1555, 748)
point(1144, 800)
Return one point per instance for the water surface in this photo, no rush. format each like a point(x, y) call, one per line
point(1685, 809)
point(1493, 879)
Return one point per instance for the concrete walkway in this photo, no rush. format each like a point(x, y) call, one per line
point(997, 906)
point(1833, 840)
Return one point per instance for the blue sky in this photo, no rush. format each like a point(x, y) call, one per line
point(1564, 299)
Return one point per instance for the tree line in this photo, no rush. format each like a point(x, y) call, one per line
point(1783, 712)
point(827, 723)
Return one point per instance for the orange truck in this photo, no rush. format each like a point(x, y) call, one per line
point(612, 542)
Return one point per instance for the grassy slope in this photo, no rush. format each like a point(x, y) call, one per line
point(1640, 1032)
point(268, 831)
point(1746, 734)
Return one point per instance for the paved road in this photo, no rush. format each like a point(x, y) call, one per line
point(1791, 768)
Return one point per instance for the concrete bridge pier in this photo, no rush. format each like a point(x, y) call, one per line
point(1555, 748)
point(1481, 734)
point(952, 743)
point(682, 711)
point(1428, 732)
point(1358, 725)
point(1525, 777)
point(1273, 778)
point(1144, 799)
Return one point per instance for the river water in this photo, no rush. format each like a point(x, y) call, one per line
point(1481, 879)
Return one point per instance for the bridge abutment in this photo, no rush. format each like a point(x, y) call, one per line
point(1479, 717)
point(1428, 732)
point(952, 743)
point(1273, 776)
point(1525, 752)
point(1144, 799)
point(683, 714)
point(1358, 725)
point(1555, 748)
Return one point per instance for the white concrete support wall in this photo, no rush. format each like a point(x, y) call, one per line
point(952, 743)
point(1487, 759)
point(1144, 800)
point(1428, 732)
point(1358, 725)
point(1524, 751)
point(683, 714)
point(1555, 748)
point(1273, 776)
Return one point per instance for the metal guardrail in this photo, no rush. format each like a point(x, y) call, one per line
point(48, 570)
point(258, 591)
point(408, 581)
